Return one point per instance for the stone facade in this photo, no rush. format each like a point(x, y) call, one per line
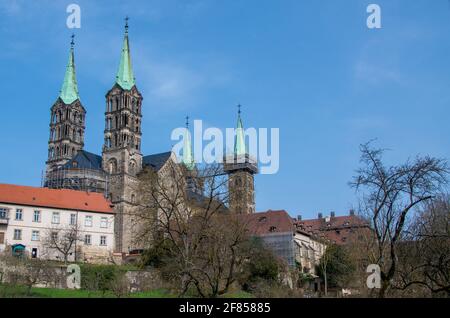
point(114, 172)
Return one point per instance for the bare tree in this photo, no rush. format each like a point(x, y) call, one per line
point(63, 240)
point(389, 194)
point(424, 265)
point(186, 209)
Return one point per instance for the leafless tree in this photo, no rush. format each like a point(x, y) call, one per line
point(63, 240)
point(424, 260)
point(186, 209)
point(389, 194)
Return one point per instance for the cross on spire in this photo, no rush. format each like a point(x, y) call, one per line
point(239, 109)
point(72, 43)
point(126, 23)
point(187, 121)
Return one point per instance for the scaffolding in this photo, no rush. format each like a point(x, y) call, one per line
point(81, 179)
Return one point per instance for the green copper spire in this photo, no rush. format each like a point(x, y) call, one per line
point(188, 158)
point(125, 76)
point(239, 142)
point(69, 90)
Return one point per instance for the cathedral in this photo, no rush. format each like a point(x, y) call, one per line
point(114, 172)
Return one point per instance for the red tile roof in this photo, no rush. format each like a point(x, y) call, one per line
point(269, 222)
point(51, 198)
point(338, 229)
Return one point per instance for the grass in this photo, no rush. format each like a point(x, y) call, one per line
point(239, 294)
point(16, 291)
point(13, 291)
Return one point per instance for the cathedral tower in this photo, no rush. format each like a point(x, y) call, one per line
point(121, 156)
point(241, 169)
point(67, 121)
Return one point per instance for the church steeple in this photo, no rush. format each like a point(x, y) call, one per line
point(239, 142)
point(125, 76)
point(67, 122)
point(69, 89)
point(241, 169)
point(188, 159)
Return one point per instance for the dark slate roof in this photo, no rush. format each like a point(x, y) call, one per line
point(156, 161)
point(85, 160)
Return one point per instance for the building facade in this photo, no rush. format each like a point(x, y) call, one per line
point(56, 224)
point(334, 229)
point(113, 173)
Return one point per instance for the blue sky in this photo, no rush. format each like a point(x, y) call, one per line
point(311, 68)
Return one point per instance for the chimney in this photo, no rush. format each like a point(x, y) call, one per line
point(299, 217)
point(332, 214)
point(320, 215)
point(352, 212)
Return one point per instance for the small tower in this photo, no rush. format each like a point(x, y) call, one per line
point(241, 169)
point(121, 155)
point(67, 121)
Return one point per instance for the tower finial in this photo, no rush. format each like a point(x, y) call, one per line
point(187, 122)
point(239, 141)
point(72, 42)
point(126, 24)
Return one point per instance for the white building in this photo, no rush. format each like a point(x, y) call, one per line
point(308, 250)
point(56, 224)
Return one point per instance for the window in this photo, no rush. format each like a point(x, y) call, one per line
point(54, 236)
point(104, 222)
point(55, 218)
point(37, 216)
point(19, 214)
point(3, 213)
point(17, 234)
point(73, 219)
point(87, 239)
point(35, 235)
point(2, 237)
point(103, 240)
point(88, 221)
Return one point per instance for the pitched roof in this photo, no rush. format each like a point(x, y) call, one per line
point(85, 160)
point(69, 89)
point(338, 229)
point(52, 198)
point(156, 161)
point(269, 222)
point(125, 75)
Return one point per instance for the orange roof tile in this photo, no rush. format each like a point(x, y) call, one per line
point(52, 198)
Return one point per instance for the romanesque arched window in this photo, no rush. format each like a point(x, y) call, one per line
point(112, 166)
point(132, 167)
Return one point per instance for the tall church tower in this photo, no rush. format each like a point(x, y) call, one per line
point(121, 156)
point(241, 169)
point(67, 121)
